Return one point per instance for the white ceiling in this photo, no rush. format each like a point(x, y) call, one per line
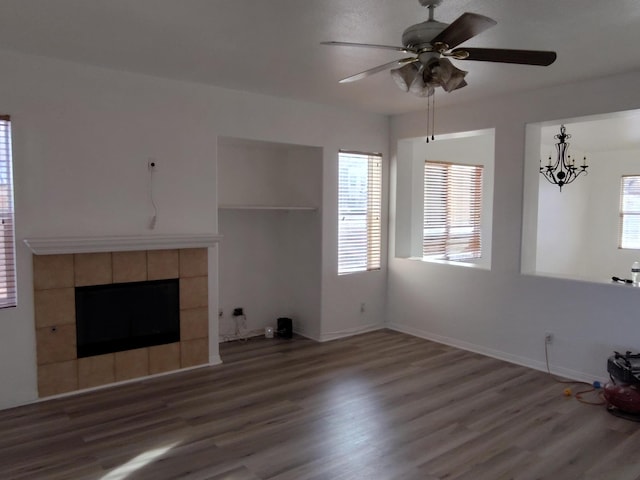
point(273, 46)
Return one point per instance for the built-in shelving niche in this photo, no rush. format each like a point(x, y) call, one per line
point(269, 196)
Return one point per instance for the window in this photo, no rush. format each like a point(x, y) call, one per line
point(630, 212)
point(452, 206)
point(7, 256)
point(359, 211)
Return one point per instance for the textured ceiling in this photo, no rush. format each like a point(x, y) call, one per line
point(273, 47)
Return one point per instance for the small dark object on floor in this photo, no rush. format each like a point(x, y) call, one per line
point(285, 328)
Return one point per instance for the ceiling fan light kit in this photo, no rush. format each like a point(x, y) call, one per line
point(404, 76)
point(432, 43)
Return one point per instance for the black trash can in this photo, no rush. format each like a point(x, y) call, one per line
point(285, 328)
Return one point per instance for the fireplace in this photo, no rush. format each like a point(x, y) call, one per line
point(59, 277)
point(125, 316)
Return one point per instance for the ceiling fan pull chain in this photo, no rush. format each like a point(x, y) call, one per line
point(428, 117)
point(433, 115)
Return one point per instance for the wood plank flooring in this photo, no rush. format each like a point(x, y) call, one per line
point(378, 406)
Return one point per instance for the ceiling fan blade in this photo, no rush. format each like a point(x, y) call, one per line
point(379, 68)
point(463, 28)
point(369, 45)
point(503, 55)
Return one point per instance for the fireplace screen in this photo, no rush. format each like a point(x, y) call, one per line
point(125, 316)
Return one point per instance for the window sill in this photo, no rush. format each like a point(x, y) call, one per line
point(267, 207)
point(451, 262)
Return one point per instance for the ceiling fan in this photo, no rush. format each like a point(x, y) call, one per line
point(432, 43)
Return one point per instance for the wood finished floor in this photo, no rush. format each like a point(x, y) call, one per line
point(378, 406)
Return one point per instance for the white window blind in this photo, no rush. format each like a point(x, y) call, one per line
point(452, 211)
point(359, 211)
point(630, 212)
point(7, 248)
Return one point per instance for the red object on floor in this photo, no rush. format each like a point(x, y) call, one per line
point(623, 396)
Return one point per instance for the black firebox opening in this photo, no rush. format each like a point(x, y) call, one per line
point(125, 316)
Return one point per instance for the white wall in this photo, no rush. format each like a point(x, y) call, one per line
point(563, 217)
point(501, 312)
point(268, 174)
point(82, 137)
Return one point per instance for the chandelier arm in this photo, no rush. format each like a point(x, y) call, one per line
point(547, 173)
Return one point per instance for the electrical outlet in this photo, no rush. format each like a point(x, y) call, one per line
point(548, 338)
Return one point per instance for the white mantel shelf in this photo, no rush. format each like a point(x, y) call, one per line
point(65, 245)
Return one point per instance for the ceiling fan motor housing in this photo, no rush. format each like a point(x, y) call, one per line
point(430, 3)
point(420, 35)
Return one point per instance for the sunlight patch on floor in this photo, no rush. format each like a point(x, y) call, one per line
point(136, 463)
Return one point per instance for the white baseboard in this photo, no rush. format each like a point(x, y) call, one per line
point(306, 335)
point(489, 352)
point(245, 336)
point(328, 336)
point(349, 332)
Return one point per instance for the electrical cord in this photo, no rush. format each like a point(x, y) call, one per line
point(240, 330)
point(154, 218)
point(240, 326)
point(600, 402)
point(578, 395)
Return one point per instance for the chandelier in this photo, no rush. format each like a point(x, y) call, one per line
point(563, 171)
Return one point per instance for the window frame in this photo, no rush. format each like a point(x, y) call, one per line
point(624, 213)
point(366, 254)
point(8, 281)
point(445, 185)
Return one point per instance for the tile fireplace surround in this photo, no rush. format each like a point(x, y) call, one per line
point(55, 276)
